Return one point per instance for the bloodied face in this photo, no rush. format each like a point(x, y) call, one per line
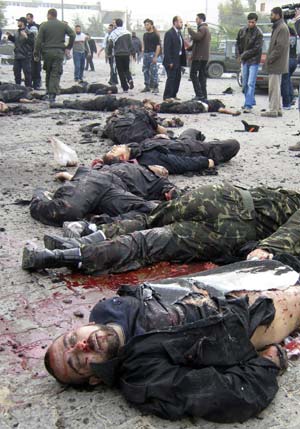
point(70, 356)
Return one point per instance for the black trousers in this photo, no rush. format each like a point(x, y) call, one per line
point(89, 62)
point(113, 79)
point(173, 82)
point(198, 76)
point(122, 64)
point(36, 68)
point(24, 65)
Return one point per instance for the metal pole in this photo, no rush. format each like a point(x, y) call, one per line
point(206, 6)
point(62, 10)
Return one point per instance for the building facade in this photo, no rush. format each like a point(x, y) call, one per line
point(68, 10)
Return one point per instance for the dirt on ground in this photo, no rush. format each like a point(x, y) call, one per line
point(37, 307)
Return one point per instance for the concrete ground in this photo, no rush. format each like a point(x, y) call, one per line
point(36, 308)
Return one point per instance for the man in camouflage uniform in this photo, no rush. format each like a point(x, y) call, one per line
point(211, 223)
point(50, 42)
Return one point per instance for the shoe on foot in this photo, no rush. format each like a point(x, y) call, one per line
point(155, 90)
point(34, 259)
point(279, 113)
point(146, 89)
point(295, 147)
point(269, 114)
point(247, 109)
point(177, 98)
point(131, 85)
point(53, 242)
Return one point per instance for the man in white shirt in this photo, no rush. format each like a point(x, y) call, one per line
point(80, 48)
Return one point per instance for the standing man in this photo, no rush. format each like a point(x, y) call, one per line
point(36, 67)
point(152, 48)
point(24, 43)
point(287, 89)
point(113, 78)
point(120, 45)
point(93, 50)
point(249, 44)
point(200, 54)
point(50, 43)
point(174, 58)
point(80, 48)
point(277, 61)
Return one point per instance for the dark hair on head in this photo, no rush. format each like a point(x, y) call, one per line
point(48, 365)
point(252, 15)
point(52, 12)
point(202, 16)
point(77, 25)
point(111, 25)
point(29, 14)
point(277, 11)
point(175, 19)
point(109, 160)
point(147, 20)
point(119, 22)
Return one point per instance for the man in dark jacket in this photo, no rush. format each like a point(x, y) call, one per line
point(200, 56)
point(249, 48)
point(24, 43)
point(179, 353)
point(120, 45)
point(277, 62)
point(287, 88)
point(174, 58)
point(112, 190)
point(50, 44)
point(187, 153)
point(36, 66)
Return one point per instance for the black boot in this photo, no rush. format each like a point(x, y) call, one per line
point(53, 242)
point(34, 259)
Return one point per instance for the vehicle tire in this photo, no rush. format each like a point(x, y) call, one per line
point(239, 78)
point(215, 70)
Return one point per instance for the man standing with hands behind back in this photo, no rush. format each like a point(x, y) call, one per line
point(200, 55)
point(174, 58)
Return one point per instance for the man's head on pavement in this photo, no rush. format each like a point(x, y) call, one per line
point(276, 14)
point(52, 14)
point(118, 153)
point(200, 18)
point(77, 29)
point(177, 22)
point(252, 20)
point(70, 357)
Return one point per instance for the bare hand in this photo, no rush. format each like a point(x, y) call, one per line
point(171, 66)
point(211, 163)
point(259, 254)
point(154, 61)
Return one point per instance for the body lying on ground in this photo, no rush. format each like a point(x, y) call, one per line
point(90, 88)
point(111, 190)
point(188, 352)
point(6, 110)
point(186, 153)
point(14, 93)
point(212, 223)
point(109, 104)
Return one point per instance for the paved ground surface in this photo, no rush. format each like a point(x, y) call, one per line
point(37, 307)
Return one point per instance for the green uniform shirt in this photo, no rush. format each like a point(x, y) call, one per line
point(51, 35)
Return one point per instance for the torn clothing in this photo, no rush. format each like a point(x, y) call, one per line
point(189, 107)
point(130, 125)
point(185, 153)
point(189, 359)
point(211, 223)
point(112, 190)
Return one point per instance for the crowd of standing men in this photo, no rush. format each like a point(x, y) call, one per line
point(48, 42)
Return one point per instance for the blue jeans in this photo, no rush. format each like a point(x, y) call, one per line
point(249, 81)
point(150, 70)
point(79, 61)
point(287, 90)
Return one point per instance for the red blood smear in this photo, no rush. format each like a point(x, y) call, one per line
point(158, 271)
